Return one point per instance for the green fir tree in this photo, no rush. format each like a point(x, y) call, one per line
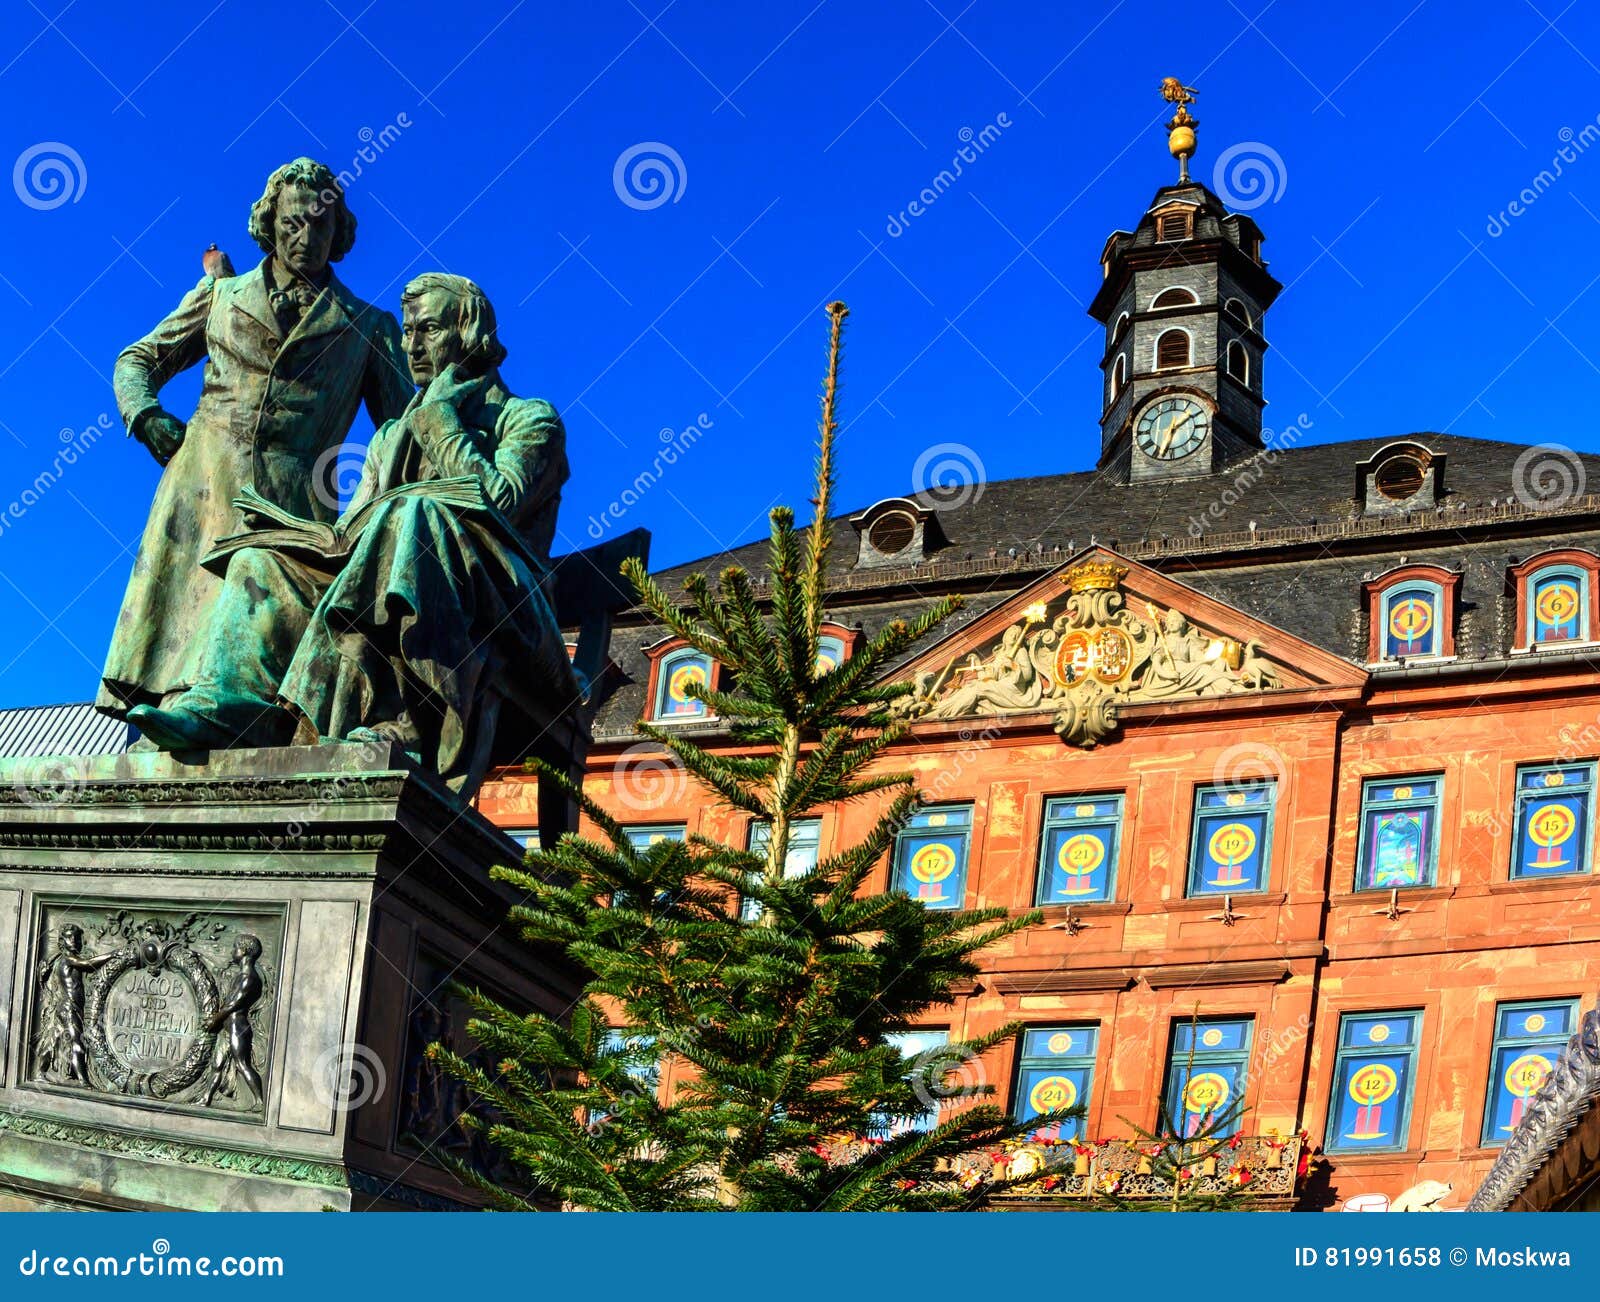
point(777, 1021)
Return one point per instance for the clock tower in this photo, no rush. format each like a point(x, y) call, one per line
point(1182, 302)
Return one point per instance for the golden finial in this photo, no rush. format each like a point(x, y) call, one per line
point(1180, 131)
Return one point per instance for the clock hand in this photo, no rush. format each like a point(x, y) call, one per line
point(1172, 431)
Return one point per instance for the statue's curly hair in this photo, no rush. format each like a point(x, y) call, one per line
point(311, 175)
point(480, 334)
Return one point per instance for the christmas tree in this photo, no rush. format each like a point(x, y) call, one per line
point(770, 1003)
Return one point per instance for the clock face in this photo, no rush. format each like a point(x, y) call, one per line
point(1169, 428)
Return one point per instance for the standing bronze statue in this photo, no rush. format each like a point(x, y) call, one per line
point(411, 618)
point(61, 1049)
point(234, 1055)
point(289, 354)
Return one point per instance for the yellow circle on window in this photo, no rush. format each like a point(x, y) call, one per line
point(1232, 843)
point(1081, 854)
point(1402, 793)
point(1206, 1092)
point(933, 863)
point(1410, 618)
point(1373, 1084)
point(679, 681)
point(1060, 1042)
point(1084, 811)
point(1212, 1037)
point(1379, 1033)
point(1527, 1074)
point(1551, 825)
point(1051, 1093)
point(1556, 603)
point(1556, 779)
point(1534, 1023)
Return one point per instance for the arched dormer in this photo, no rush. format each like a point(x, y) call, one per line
point(1400, 477)
point(1411, 614)
point(1173, 350)
point(1557, 599)
point(895, 531)
point(674, 667)
point(1174, 296)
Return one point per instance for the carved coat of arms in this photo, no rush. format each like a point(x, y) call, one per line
point(1093, 656)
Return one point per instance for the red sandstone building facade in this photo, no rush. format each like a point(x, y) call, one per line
point(1295, 748)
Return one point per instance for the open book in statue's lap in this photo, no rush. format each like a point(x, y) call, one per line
point(393, 621)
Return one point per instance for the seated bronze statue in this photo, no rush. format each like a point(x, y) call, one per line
point(400, 629)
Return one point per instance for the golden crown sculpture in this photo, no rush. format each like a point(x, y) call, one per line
point(1095, 576)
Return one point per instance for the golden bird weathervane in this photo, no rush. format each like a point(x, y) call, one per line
point(1180, 131)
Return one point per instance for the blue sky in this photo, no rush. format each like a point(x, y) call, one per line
point(1396, 138)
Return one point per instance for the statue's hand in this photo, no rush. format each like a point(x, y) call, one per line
point(447, 386)
point(161, 432)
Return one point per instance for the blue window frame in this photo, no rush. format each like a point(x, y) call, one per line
point(677, 672)
point(805, 841)
point(830, 652)
point(1399, 833)
point(1411, 614)
point(1055, 1069)
point(912, 1044)
point(1230, 848)
point(1528, 1038)
point(1078, 850)
point(1374, 1074)
point(1207, 1072)
point(1558, 605)
point(523, 836)
point(643, 837)
point(1553, 825)
point(930, 855)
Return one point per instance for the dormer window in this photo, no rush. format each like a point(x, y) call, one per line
point(835, 644)
point(676, 668)
point(1238, 313)
point(901, 531)
point(1172, 350)
point(1400, 478)
point(1120, 329)
point(1555, 593)
point(1119, 375)
point(1175, 297)
point(1174, 224)
point(1412, 611)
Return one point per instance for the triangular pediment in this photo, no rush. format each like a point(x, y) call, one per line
point(1102, 635)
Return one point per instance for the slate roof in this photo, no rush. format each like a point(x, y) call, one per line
point(74, 729)
point(1301, 568)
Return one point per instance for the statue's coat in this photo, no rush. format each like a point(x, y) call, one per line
point(268, 409)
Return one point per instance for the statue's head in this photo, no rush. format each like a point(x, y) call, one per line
point(445, 319)
point(247, 946)
point(71, 938)
point(301, 218)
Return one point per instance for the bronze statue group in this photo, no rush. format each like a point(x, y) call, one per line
point(403, 620)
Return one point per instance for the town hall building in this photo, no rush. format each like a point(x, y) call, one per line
point(1293, 746)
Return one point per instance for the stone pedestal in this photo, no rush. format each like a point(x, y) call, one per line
point(174, 935)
